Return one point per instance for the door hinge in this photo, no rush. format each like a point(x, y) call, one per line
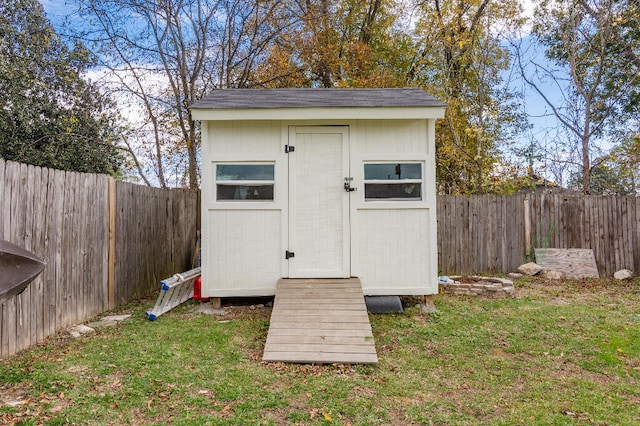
point(289, 254)
point(289, 148)
point(347, 185)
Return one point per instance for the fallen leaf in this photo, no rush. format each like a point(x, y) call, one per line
point(327, 417)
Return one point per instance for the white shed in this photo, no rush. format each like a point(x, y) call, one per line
point(318, 183)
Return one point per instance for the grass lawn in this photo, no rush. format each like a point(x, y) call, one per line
point(560, 353)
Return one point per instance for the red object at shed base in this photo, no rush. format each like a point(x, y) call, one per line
point(197, 290)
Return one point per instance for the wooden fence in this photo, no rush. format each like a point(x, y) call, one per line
point(108, 242)
point(495, 234)
point(105, 243)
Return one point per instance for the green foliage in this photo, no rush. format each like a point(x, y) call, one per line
point(50, 115)
point(461, 61)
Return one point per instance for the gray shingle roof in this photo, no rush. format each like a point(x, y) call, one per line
point(315, 98)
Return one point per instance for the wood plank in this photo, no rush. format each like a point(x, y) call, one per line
point(38, 304)
point(315, 311)
point(22, 236)
point(4, 187)
point(322, 291)
point(327, 332)
point(111, 261)
point(301, 330)
point(292, 300)
point(328, 348)
point(323, 329)
point(574, 263)
point(321, 340)
point(631, 218)
point(320, 357)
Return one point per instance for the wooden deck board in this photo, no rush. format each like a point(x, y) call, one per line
point(320, 321)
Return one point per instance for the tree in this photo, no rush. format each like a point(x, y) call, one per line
point(596, 81)
point(50, 115)
point(461, 59)
point(617, 173)
point(338, 43)
point(159, 57)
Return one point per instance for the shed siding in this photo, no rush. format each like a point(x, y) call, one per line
point(393, 243)
point(394, 249)
point(393, 137)
point(243, 140)
point(393, 252)
point(244, 249)
point(242, 242)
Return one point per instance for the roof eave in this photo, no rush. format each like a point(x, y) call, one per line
point(318, 113)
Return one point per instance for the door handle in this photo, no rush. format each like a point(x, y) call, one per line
point(347, 185)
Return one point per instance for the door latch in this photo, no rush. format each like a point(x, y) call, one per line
point(347, 184)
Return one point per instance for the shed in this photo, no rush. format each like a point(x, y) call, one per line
point(318, 183)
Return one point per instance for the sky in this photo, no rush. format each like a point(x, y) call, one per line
point(541, 119)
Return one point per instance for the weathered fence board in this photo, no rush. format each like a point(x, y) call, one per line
point(487, 233)
point(63, 217)
point(158, 241)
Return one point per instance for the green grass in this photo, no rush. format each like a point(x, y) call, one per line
point(558, 354)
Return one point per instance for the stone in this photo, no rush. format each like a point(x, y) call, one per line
point(428, 308)
point(553, 275)
point(209, 309)
point(530, 269)
point(79, 330)
point(623, 274)
point(108, 321)
point(515, 275)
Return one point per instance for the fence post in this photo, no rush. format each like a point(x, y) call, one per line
point(527, 226)
point(112, 244)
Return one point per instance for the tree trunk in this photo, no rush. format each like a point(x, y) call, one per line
point(586, 166)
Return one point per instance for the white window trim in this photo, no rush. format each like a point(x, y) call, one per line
point(394, 182)
point(247, 182)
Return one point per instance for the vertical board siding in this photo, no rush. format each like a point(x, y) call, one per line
point(63, 218)
point(486, 233)
point(249, 261)
point(393, 253)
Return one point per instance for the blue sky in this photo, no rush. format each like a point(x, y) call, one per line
point(539, 113)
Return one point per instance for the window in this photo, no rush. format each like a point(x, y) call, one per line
point(244, 182)
point(393, 181)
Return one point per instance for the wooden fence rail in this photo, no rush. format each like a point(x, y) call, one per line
point(104, 242)
point(495, 234)
point(108, 242)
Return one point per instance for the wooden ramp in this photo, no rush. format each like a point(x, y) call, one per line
point(320, 321)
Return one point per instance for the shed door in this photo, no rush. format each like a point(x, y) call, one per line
point(318, 202)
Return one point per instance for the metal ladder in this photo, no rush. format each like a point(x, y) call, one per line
point(174, 291)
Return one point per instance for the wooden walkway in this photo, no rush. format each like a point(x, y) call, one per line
point(320, 321)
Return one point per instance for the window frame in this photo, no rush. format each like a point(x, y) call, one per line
point(244, 182)
point(420, 181)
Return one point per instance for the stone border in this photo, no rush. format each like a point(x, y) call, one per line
point(485, 286)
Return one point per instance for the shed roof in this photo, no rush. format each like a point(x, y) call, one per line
point(316, 98)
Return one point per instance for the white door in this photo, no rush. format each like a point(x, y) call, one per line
point(318, 202)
